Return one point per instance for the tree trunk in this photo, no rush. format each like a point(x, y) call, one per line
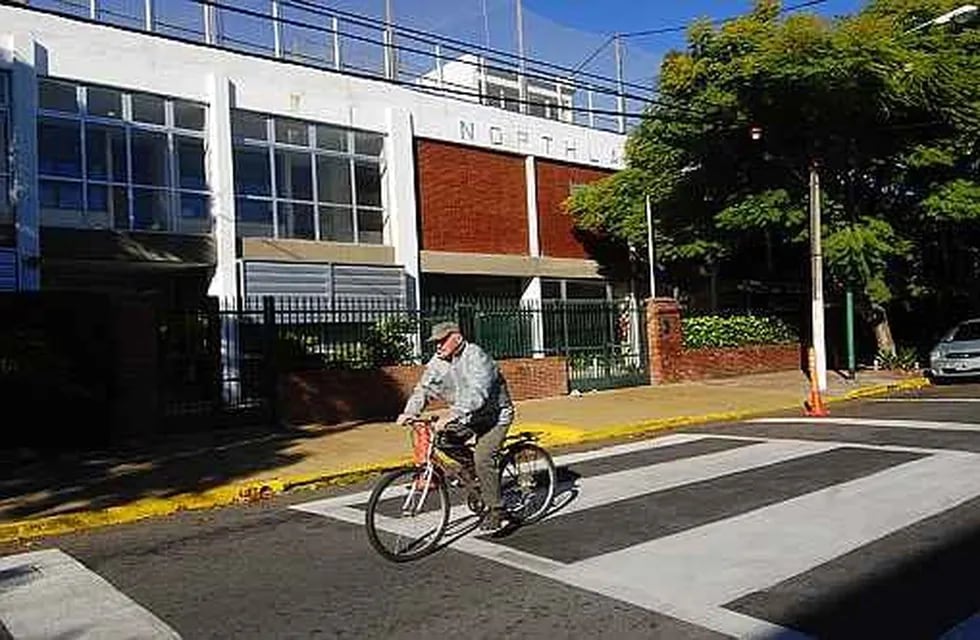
point(883, 330)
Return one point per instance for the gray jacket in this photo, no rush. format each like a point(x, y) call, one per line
point(472, 385)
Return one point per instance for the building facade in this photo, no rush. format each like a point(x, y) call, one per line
point(138, 161)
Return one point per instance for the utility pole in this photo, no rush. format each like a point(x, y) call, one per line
point(651, 249)
point(620, 99)
point(521, 61)
point(816, 276)
point(851, 358)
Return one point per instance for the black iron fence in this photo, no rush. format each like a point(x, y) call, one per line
point(226, 357)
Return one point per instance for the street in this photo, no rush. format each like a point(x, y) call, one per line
point(864, 524)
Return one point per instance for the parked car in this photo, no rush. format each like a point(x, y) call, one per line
point(958, 354)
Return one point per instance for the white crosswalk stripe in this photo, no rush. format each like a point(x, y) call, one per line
point(876, 422)
point(49, 594)
point(692, 574)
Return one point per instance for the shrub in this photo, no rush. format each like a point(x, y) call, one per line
point(904, 359)
point(735, 331)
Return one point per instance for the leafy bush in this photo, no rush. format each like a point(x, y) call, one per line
point(735, 331)
point(904, 359)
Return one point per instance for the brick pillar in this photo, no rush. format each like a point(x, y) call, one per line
point(665, 339)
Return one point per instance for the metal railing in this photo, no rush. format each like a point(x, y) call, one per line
point(320, 36)
point(229, 356)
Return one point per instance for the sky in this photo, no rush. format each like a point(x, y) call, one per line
point(610, 16)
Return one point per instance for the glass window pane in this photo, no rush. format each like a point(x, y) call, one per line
point(296, 221)
point(106, 103)
point(195, 215)
point(59, 144)
point(112, 203)
point(190, 163)
point(147, 108)
point(6, 211)
point(249, 125)
point(57, 96)
point(337, 224)
point(294, 175)
point(188, 115)
point(149, 158)
point(254, 218)
point(61, 203)
point(4, 149)
point(292, 132)
point(333, 179)
point(150, 210)
point(105, 153)
point(370, 226)
point(368, 144)
point(585, 290)
point(368, 178)
point(252, 174)
point(550, 290)
point(4, 92)
point(331, 138)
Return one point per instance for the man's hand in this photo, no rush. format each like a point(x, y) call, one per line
point(404, 418)
point(445, 419)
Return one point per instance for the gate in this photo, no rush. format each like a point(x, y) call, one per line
point(603, 342)
point(216, 366)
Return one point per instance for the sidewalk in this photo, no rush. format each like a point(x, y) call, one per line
point(83, 491)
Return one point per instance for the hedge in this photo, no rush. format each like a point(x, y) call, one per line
point(735, 331)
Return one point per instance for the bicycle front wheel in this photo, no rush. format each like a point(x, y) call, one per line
point(407, 513)
point(527, 482)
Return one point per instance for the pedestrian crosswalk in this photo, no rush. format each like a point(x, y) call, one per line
point(713, 528)
point(49, 594)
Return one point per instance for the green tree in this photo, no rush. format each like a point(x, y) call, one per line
point(892, 119)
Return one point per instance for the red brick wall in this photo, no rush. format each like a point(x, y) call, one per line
point(334, 396)
point(671, 362)
point(470, 200)
point(697, 364)
point(555, 227)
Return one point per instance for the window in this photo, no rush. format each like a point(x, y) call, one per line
point(6, 208)
point(295, 179)
point(117, 160)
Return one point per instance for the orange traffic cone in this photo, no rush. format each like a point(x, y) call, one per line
point(813, 406)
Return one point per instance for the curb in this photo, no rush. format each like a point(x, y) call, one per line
point(253, 491)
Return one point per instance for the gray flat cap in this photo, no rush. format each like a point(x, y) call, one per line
point(441, 330)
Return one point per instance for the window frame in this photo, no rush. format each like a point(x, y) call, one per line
point(6, 166)
point(277, 202)
point(128, 125)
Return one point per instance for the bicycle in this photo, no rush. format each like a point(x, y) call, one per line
point(409, 508)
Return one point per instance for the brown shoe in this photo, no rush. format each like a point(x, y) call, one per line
point(495, 521)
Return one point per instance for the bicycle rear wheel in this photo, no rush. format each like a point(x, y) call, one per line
point(527, 482)
point(406, 516)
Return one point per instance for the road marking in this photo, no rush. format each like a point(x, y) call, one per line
point(321, 506)
point(720, 620)
point(621, 485)
point(900, 448)
point(874, 422)
point(936, 400)
point(49, 594)
point(713, 564)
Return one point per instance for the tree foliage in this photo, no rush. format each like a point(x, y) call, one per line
point(890, 117)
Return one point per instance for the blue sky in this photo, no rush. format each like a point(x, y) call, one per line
point(609, 16)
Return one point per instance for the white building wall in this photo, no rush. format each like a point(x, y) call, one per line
point(99, 54)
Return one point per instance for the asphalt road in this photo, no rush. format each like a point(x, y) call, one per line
point(863, 525)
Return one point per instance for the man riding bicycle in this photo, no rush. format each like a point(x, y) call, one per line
point(462, 374)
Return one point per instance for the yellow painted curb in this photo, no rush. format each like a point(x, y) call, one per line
point(551, 435)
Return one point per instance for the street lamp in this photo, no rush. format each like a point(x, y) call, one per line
point(959, 15)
